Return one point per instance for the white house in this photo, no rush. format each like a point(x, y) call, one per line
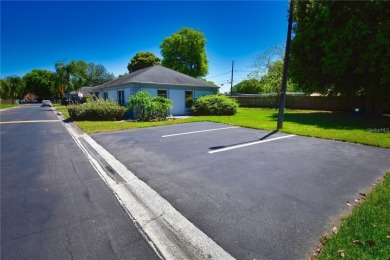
point(158, 81)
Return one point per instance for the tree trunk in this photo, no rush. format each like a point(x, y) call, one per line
point(373, 107)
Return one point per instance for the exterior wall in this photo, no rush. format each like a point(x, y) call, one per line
point(175, 93)
point(178, 101)
point(152, 90)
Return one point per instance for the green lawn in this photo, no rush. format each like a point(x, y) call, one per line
point(321, 124)
point(62, 109)
point(365, 234)
point(2, 106)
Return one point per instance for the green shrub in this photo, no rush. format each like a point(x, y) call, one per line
point(160, 107)
point(214, 105)
point(148, 108)
point(96, 110)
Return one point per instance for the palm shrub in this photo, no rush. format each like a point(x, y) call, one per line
point(214, 105)
point(141, 102)
point(96, 110)
point(161, 106)
point(148, 108)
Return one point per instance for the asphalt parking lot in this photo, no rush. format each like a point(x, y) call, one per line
point(259, 195)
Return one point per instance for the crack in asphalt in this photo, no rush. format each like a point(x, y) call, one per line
point(25, 196)
point(69, 245)
point(155, 218)
point(56, 227)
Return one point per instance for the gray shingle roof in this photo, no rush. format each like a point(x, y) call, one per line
point(157, 75)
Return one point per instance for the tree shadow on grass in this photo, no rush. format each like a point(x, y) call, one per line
point(335, 120)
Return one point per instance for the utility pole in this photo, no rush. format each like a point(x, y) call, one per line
point(285, 69)
point(231, 81)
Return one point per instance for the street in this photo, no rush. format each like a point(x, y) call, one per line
point(53, 203)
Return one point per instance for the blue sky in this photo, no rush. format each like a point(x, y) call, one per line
point(34, 35)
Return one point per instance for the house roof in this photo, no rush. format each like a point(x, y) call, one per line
point(157, 74)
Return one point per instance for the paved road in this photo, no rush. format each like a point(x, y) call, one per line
point(53, 203)
point(271, 200)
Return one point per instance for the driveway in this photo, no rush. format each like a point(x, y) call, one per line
point(259, 195)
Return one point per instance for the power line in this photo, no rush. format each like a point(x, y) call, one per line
point(218, 75)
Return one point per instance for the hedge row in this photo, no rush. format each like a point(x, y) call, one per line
point(98, 110)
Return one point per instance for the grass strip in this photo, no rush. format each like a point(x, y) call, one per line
point(2, 106)
point(365, 234)
point(62, 109)
point(320, 124)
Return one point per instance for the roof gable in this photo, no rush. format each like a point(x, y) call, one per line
point(157, 74)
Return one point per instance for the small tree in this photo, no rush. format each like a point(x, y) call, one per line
point(148, 108)
point(142, 60)
point(161, 106)
point(142, 103)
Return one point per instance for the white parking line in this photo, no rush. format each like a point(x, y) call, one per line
point(248, 144)
point(201, 131)
point(30, 121)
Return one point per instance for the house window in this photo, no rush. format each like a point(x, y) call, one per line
point(121, 97)
point(189, 99)
point(105, 95)
point(162, 93)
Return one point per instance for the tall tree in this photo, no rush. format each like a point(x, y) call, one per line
point(342, 47)
point(38, 82)
point(14, 87)
point(271, 82)
point(70, 76)
point(185, 51)
point(97, 74)
point(5, 89)
point(142, 60)
point(263, 61)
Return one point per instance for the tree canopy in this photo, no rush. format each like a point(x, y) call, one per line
point(342, 47)
point(97, 74)
point(142, 60)
point(38, 82)
point(185, 52)
point(271, 82)
point(46, 84)
point(12, 87)
point(78, 74)
point(248, 86)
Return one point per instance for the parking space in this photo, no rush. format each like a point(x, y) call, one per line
point(258, 194)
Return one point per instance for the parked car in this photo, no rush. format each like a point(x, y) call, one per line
point(46, 103)
point(34, 101)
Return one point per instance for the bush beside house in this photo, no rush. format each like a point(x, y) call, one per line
point(96, 110)
point(147, 108)
point(214, 105)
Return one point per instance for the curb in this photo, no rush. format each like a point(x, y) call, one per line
point(169, 233)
